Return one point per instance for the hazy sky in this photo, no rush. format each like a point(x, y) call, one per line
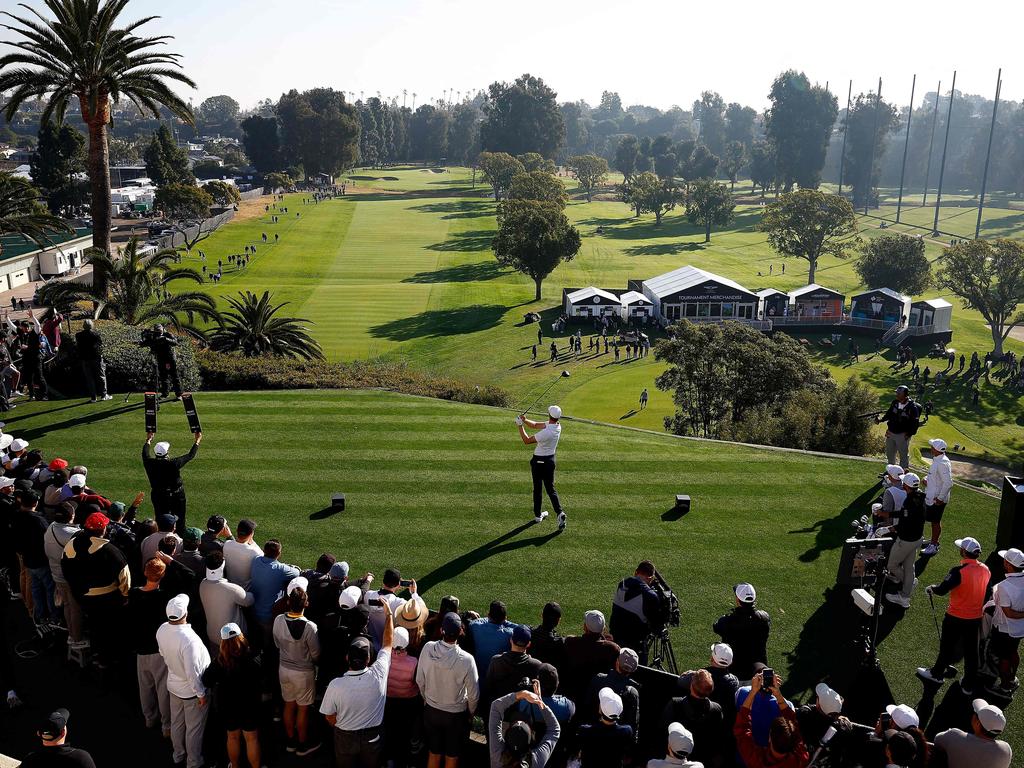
point(656, 52)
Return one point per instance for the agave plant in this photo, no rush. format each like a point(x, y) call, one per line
point(138, 291)
point(253, 327)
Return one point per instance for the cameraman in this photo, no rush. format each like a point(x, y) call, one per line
point(637, 610)
point(162, 345)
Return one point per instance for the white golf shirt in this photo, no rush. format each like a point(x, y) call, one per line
point(357, 699)
point(940, 480)
point(1009, 593)
point(547, 439)
point(186, 657)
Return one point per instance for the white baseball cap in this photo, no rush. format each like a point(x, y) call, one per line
point(968, 544)
point(745, 593)
point(76, 481)
point(161, 448)
point(6, 482)
point(895, 471)
point(1013, 556)
point(300, 582)
point(992, 718)
point(722, 654)
point(400, 639)
point(937, 443)
point(349, 597)
point(17, 444)
point(5, 441)
point(911, 479)
point(215, 574)
point(554, 412)
point(177, 607)
point(610, 703)
point(830, 702)
point(680, 740)
point(230, 630)
point(903, 717)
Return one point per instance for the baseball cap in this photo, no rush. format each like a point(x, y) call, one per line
point(339, 571)
point(161, 448)
point(937, 443)
point(628, 660)
point(521, 635)
point(911, 479)
point(230, 630)
point(830, 702)
point(57, 464)
point(216, 574)
point(518, 736)
point(610, 703)
point(902, 747)
point(215, 523)
point(299, 582)
point(554, 412)
point(903, 716)
point(177, 607)
point(117, 507)
point(192, 534)
point(992, 718)
point(1013, 556)
point(400, 639)
point(17, 444)
point(76, 481)
point(902, 388)
point(359, 646)
point(349, 597)
point(6, 482)
point(451, 624)
point(680, 740)
point(722, 654)
point(167, 521)
point(245, 526)
point(894, 471)
point(53, 725)
point(97, 521)
point(968, 544)
point(5, 441)
point(745, 592)
point(594, 621)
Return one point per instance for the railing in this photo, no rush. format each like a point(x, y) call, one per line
point(894, 330)
point(807, 320)
point(863, 322)
point(921, 330)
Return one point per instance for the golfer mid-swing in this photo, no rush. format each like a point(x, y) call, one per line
point(542, 463)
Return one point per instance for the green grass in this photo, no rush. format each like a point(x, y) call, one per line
point(436, 488)
point(403, 269)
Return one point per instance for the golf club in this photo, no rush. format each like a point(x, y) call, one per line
point(563, 375)
point(938, 633)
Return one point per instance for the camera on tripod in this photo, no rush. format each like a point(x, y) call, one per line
point(668, 603)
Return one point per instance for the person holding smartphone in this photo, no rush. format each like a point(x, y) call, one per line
point(765, 709)
point(785, 748)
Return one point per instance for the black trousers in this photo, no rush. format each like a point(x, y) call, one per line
point(168, 371)
point(32, 376)
point(363, 748)
point(543, 470)
point(170, 503)
point(960, 639)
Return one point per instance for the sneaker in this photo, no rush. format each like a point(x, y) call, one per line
point(307, 749)
point(561, 521)
point(291, 745)
point(998, 690)
point(900, 600)
point(92, 399)
point(541, 517)
point(107, 397)
point(78, 645)
point(930, 549)
point(926, 674)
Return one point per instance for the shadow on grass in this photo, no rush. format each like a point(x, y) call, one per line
point(324, 513)
point(663, 249)
point(458, 209)
point(475, 240)
point(93, 416)
point(441, 322)
point(832, 531)
point(462, 273)
point(459, 565)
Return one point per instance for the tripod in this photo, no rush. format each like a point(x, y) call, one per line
point(658, 651)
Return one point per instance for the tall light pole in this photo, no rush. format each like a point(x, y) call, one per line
point(906, 144)
point(414, 102)
point(945, 146)
point(988, 154)
point(404, 92)
point(931, 143)
point(846, 129)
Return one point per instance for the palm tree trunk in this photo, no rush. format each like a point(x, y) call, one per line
point(99, 183)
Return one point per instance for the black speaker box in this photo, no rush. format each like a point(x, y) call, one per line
point(1010, 532)
point(338, 502)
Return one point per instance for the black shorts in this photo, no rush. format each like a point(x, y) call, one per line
point(245, 718)
point(446, 732)
point(1002, 645)
point(933, 512)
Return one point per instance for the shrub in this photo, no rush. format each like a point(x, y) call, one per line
point(130, 367)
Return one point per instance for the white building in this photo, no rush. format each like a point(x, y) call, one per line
point(699, 296)
point(591, 302)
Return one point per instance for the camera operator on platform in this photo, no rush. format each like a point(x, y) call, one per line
point(637, 610)
point(162, 345)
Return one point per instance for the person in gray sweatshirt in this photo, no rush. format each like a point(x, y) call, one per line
point(222, 601)
point(299, 646)
point(447, 679)
point(509, 744)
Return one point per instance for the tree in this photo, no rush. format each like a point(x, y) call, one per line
point(610, 107)
point(319, 131)
point(55, 165)
point(534, 238)
point(253, 327)
point(59, 58)
point(138, 291)
point(798, 125)
point(222, 193)
point(739, 124)
point(499, 168)
point(735, 158)
point(867, 125)
point(464, 134)
point(262, 145)
point(533, 162)
point(276, 180)
point(699, 163)
point(809, 224)
point(428, 134)
point(22, 214)
point(895, 261)
point(166, 162)
point(762, 166)
point(208, 169)
point(627, 157)
point(646, 193)
point(710, 109)
point(590, 171)
point(522, 117)
point(709, 203)
point(186, 207)
point(988, 277)
point(540, 186)
point(577, 134)
point(218, 114)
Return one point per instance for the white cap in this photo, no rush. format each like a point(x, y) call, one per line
point(400, 639)
point(300, 582)
point(5, 441)
point(895, 471)
point(594, 621)
point(911, 479)
point(903, 717)
point(177, 607)
point(745, 593)
point(830, 702)
point(610, 703)
point(76, 481)
point(554, 412)
point(349, 597)
point(215, 574)
point(1013, 556)
point(937, 443)
point(17, 444)
point(722, 654)
point(161, 448)
point(992, 718)
point(6, 482)
point(680, 740)
point(968, 544)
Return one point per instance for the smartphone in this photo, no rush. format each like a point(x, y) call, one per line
point(767, 678)
point(405, 583)
point(886, 721)
point(376, 602)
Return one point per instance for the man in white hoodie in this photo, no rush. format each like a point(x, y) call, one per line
point(937, 484)
point(447, 679)
point(222, 601)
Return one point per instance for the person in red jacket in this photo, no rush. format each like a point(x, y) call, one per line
point(786, 748)
point(966, 585)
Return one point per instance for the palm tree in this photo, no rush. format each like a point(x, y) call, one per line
point(81, 53)
point(137, 291)
point(21, 213)
point(252, 328)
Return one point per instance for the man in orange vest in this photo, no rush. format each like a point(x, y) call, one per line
point(966, 585)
